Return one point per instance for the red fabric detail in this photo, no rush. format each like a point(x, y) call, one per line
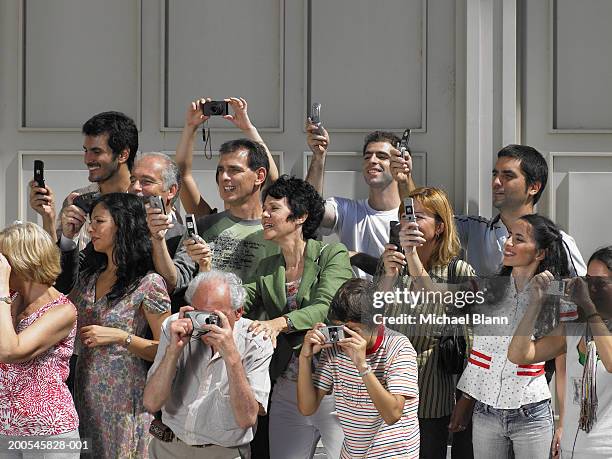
point(379, 339)
point(481, 355)
point(480, 364)
point(529, 373)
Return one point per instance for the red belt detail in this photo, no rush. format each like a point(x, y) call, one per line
point(480, 364)
point(529, 373)
point(568, 314)
point(533, 367)
point(481, 355)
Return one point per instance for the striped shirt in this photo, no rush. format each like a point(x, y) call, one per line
point(393, 361)
point(436, 386)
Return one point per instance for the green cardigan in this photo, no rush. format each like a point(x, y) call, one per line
point(326, 268)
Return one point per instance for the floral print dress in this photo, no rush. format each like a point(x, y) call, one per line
point(110, 380)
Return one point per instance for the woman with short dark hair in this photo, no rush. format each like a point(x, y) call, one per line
point(292, 292)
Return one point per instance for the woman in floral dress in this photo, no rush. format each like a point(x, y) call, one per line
point(117, 297)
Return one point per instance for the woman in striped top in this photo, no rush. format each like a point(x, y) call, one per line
point(430, 247)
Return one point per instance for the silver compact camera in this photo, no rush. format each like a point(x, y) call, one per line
point(199, 319)
point(332, 333)
point(558, 287)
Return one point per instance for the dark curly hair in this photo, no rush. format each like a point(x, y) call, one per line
point(121, 129)
point(548, 238)
point(302, 198)
point(380, 136)
point(132, 251)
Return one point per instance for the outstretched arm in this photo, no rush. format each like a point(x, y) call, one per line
point(318, 142)
point(241, 120)
point(189, 193)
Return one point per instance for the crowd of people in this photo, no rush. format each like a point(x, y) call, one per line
point(124, 333)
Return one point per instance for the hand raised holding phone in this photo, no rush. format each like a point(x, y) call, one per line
point(401, 160)
point(317, 137)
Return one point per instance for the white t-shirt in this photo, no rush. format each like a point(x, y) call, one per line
point(360, 228)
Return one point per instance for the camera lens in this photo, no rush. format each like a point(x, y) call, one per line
point(216, 109)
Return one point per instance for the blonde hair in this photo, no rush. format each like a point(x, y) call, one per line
point(447, 245)
point(31, 252)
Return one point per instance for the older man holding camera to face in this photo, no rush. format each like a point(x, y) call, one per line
point(210, 376)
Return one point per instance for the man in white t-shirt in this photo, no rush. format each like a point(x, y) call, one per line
point(362, 225)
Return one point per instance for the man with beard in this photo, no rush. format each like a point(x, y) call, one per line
point(362, 225)
point(109, 146)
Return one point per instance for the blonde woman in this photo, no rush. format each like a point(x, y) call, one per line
point(37, 331)
point(430, 247)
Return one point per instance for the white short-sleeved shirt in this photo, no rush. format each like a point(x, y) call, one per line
point(199, 409)
point(360, 227)
point(483, 245)
point(490, 376)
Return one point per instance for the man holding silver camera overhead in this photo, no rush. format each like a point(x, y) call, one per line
point(362, 225)
point(210, 380)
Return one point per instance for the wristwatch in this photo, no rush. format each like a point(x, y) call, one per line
point(6, 299)
point(290, 325)
point(367, 370)
point(128, 341)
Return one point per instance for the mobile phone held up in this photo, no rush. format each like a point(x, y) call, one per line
point(156, 202)
point(394, 230)
point(402, 145)
point(190, 223)
point(39, 173)
point(315, 116)
point(409, 210)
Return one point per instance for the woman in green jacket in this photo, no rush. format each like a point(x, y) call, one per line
point(292, 292)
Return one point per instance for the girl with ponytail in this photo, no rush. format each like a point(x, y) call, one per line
point(512, 415)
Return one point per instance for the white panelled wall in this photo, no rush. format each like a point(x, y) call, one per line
point(468, 76)
point(373, 65)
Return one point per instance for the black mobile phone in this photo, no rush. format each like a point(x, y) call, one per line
point(403, 143)
point(190, 223)
point(394, 230)
point(157, 203)
point(85, 201)
point(409, 210)
point(39, 173)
